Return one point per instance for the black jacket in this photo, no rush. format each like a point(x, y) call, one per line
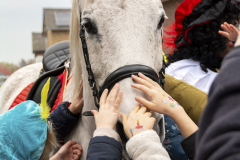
point(188, 146)
point(63, 121)
point(104, 148)
point(218, 137)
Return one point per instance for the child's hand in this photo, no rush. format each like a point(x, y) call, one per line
point(77, 105)
point(109, 108)
point(69, 151)
point(161, 102)
point(137, 121)
point(231, 32)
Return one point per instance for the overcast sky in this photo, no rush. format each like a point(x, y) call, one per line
point(18, 19)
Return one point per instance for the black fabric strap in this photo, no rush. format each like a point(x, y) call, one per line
point(91, 78)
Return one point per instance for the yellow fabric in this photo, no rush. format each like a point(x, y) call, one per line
point(192, 99)
point(164, 56)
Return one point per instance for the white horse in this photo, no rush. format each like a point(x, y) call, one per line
point(125, 32)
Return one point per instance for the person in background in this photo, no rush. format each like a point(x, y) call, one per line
point(197, 51)
point(219, 128)
point(202, 40)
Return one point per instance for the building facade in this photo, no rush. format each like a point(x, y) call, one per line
point(56, 27)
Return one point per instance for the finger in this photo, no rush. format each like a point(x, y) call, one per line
point(76, 151)
point(147, 79)
point(234, 29)
point(112, 95)
point(81, 103)
point(135, 109)
point(142, 110)
point(79, 154)
point(228, 27)
point(145, 102)
point(118, 100)
point(77, 146)
point(124, 119)
point(148, 114)
point(75, 157)
point(143, 88)
point(142, 81)
point(103, 97)
point(225, 34)
point(69, 144)
point(225, 27)
point(153, 119)
point(74, 142)
point(95, 113)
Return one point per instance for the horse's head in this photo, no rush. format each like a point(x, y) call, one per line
point(118, 33)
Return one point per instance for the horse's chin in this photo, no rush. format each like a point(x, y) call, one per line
point(129, 93)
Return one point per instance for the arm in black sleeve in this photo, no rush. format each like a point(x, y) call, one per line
point(219, 130)
point(104, 147)
point(188, 146)
point(63, 120)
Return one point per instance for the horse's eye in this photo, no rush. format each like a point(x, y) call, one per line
point(161, 22)
point(90, 28)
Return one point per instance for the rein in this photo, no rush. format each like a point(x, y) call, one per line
point(116, 76)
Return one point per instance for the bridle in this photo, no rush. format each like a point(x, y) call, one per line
point(118, 75)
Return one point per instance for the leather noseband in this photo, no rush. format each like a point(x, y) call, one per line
point(126, 72)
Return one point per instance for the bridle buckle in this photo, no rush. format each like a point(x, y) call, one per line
point(93, 85)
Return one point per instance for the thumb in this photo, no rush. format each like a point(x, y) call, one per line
point(95, 113)
point(124, 119)
point(69, 144)
point(81, 103)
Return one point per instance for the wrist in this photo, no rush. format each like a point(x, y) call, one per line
point(73, 109)
point(54, 157)
point(103, 131)
point(105, 126)
point(176, 112)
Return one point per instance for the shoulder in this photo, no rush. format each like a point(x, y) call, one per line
point(221, 116)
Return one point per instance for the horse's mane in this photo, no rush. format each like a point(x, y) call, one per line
point(75, 45)
point(50, 144)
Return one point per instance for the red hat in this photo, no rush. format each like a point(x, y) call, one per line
point(183, 10)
